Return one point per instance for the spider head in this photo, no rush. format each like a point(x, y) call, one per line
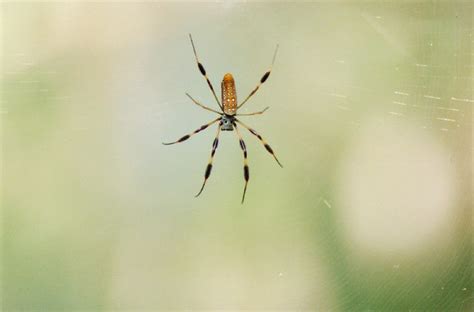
point(226, 123)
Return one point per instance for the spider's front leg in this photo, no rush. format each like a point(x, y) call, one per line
point(207, 173)
point(187, 136)
point(246, 166)
point(265, 144)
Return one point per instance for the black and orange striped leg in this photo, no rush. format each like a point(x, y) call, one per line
point(265, 144)
point(246, 166)
point(207, 173)
point(187, 136)
point(204, 74)
point(262, 80)
point(256, 113)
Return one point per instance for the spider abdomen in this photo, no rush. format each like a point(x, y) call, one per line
point(229, 95)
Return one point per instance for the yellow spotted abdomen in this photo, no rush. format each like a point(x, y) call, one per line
point(229, 95)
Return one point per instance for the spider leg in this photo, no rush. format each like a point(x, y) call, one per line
point(265, 144)
point(203, 73)
point(187, 136)
point(256, 113)
point(262, 80)
point(203, 106)
point(246, 167)
point(207, 173)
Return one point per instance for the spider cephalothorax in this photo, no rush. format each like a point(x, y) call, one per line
point(227, 119)
point(227, 122)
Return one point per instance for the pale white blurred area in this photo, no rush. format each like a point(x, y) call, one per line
point(397, 190)
point(217, 269)
point(47, 30)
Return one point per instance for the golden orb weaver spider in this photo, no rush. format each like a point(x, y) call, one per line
point(227, 117)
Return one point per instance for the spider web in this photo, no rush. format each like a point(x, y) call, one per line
point(432, 91)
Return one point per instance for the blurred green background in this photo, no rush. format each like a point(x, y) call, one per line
point(371, 116)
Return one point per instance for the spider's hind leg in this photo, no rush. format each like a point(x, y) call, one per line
point(262, 80)
point(204, 74)
point(202, 106)
point(255, 113)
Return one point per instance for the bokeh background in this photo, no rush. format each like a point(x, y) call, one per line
point(370, 114)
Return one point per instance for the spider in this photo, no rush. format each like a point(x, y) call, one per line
point(227, 117)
